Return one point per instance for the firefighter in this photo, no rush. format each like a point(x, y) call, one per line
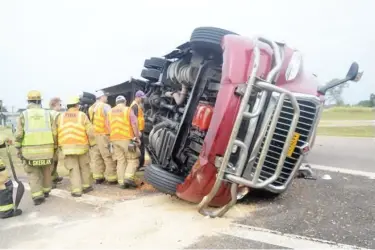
point(136, 106)
point(101, 155)
point(124, 131)
point(7, 208)
point(35, 141)
point(55, 107)
point(75, 136)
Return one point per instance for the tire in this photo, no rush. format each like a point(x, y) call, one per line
point(151, 74)
point(162, 180)
point(208, 39)
point(154, 63)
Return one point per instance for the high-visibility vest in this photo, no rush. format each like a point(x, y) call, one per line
point(97, 117)
point(37, 143)
point(71, 132)
point(54, 114)
point(141, 117)
point(119, 121)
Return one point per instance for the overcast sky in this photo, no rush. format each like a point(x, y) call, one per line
point(64, 47)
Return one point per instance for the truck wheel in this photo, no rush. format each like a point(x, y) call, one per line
point(151, 74)
point(162, 180)
point(154, 63)
point(208, 39)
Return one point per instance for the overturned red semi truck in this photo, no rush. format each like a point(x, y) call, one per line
point(226, 114)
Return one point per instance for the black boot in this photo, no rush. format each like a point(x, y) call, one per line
point(112, 182)
point(39, 201)
point(89, 189)
point(58, 179)
point(130, 184)
point(17, 212)
point(99, 181)
point(14, 213)
point(76, 195)
point(46, 195)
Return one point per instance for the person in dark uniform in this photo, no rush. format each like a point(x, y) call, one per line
point(7, 208)
point(136, 106)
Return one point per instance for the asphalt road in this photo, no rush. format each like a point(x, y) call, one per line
point(340, 210)
point(322, 214)
point(344, 152)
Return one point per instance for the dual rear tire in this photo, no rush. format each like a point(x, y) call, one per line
point(162, 180)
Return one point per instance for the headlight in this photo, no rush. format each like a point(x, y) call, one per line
point(294, 66)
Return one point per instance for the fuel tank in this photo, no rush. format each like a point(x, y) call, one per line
point(203, 116)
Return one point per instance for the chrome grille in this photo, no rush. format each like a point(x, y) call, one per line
point(308, 112)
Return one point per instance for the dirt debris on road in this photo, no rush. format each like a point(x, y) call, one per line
point(159, 220)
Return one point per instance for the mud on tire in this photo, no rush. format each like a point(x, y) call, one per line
point(162, 180)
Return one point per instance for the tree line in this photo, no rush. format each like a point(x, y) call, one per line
point(334, 95)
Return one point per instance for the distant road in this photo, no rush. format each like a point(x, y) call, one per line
point(346, 123)
point(344, 152)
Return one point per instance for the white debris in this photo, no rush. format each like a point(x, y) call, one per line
point(326, 177)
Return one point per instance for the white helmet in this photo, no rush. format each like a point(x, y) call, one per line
point(120, 98)
point(99, 94)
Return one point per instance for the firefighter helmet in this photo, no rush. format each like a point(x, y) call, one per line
point(73, 100)
point(34, 95)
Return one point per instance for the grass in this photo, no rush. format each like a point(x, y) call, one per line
point(358, 131)
point(347, 116)
point(349, 113)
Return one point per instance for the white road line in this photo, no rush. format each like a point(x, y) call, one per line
point(283, 240)
point(86, 198)
point(370, 175)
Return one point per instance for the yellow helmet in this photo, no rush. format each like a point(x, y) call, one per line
point(73, 100)
point(34, 95)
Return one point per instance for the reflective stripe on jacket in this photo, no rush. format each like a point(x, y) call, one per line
point(98, 119)
point(119, 122)
point(38, 140)
point(141, 117)
point(71, 132)
point(6, 191)
point(6, 194)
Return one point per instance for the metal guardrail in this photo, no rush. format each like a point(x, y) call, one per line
point(236, 179)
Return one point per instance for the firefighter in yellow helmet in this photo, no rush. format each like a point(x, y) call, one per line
point(55, 107)
point(35, 141)
point(75, 136)
point(136, 106)
point(102, 160)
point(7, 208)
point(124, 131)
